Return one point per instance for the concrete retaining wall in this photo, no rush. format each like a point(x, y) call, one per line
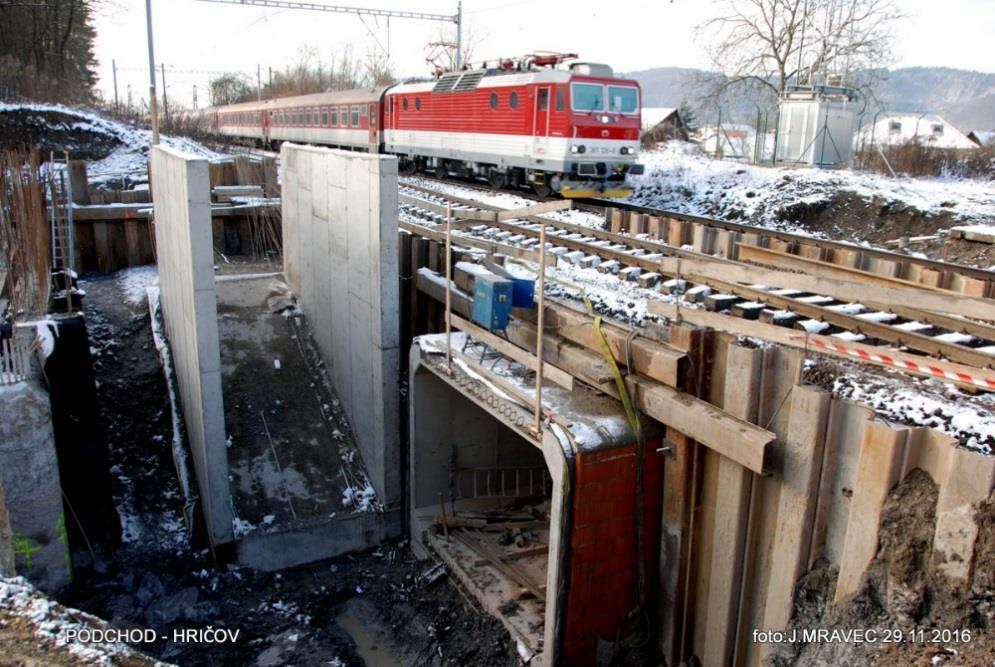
point(182, 201)
point(340, 257)
point(31, 489)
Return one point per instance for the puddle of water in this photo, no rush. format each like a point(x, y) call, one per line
point(371, 650)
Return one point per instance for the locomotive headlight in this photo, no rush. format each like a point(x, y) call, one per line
point(574, 149)
point(582, 149)
point(605, 119)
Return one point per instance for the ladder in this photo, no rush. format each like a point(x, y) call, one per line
point(61, 219)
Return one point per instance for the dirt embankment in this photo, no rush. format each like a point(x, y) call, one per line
point(846, 216)
point(53, 131)
point(941, 623)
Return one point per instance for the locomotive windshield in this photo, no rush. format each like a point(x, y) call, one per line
point(623, 99)
point(587, 97)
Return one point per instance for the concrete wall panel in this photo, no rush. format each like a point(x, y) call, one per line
point(182, 202)
point(340, 254)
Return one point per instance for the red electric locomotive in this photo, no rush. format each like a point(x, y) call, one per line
point(569, 129)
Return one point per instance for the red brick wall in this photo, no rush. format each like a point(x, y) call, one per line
point(601, 589)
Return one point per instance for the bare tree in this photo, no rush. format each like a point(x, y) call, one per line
point(440, 53)
point(772, 42)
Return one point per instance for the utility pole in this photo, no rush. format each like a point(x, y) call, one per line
point(195, 97)
point(271, 79)
point(165, 97)
point(259, 83)
point(117, 108)
point(153, 107)
point(459, 35)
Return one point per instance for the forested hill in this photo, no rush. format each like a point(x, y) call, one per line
point(965, 98)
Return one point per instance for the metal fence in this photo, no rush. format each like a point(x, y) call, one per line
point(14, 357)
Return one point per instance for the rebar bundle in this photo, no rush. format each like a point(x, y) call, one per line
point(25, 233)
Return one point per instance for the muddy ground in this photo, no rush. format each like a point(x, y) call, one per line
point(371, 608)
point(904, 592)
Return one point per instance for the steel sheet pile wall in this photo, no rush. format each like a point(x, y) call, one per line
point(730, 560)
point(182, 199)
point(340, 257)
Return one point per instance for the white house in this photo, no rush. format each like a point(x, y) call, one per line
point(735, 140)
point(893, 129)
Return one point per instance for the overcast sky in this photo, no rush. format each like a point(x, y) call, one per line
point(196, 39)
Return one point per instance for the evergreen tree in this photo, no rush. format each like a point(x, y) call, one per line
point(46, 50)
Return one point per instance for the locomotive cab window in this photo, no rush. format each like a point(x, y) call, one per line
point(543, 99)
point(560, 105)
point(513, 100)
point(623, 99)
point(587, 97)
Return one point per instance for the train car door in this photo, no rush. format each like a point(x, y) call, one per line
point(373, 128)
point(540, 120)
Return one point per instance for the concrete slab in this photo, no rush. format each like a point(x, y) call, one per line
point(300, 491)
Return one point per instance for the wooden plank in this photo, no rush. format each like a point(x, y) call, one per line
point(675, 542)
point(654, 360)
point(530, 361)
point(878, 468)
point(782, 259)
point(803, 450)
point(700, 270)
point(535, 209)
point(101, 244)
point(970, 480)
point(801, 340)
point(732, 503)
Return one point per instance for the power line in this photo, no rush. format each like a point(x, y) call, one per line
point(456, 18)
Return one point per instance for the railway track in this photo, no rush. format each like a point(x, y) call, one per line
point(721, 283)
point(622, 217)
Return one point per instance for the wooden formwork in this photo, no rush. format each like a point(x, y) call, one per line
point(734, 547)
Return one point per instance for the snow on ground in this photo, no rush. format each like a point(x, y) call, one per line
point(680, 178)
point(128, 159)
point(135, 281)
point(924, 402)
point(62, 629)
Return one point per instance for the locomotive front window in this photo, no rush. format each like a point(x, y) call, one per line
point(623, 99)
point(587, 97)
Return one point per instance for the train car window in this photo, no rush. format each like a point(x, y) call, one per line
point(335, 116)
point(560, 105)
point(494, 100)
point(324, 117)
point(587, 97)
point(417, 104)
point(362, 110)
point(513, 100)
point(344, 115)
point(404, 103)
point(543, 99)
point(623, 99)
point(354, 119)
